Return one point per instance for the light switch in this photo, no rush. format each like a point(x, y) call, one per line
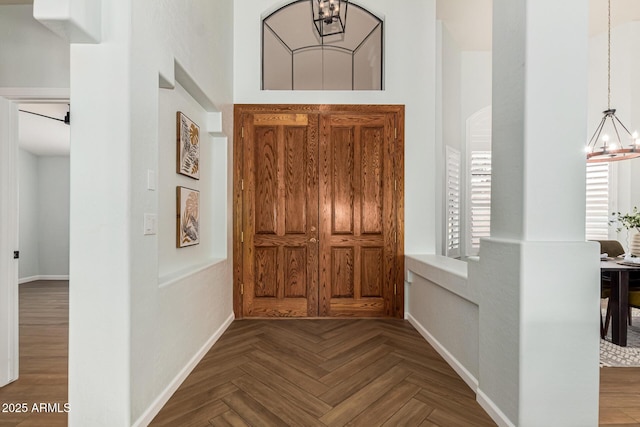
point(151, 180)
point(150, 224)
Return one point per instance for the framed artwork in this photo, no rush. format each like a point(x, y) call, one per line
point(188, 154)
point(188, 217)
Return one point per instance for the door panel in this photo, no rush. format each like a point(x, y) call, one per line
point(280, 217)
point(357, 217)
point(319, 212)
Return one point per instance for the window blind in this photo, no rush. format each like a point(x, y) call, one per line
point(480, 196)
point(597, 209)
point(453, 202)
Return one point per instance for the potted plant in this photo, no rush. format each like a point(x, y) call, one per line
point(629, 221)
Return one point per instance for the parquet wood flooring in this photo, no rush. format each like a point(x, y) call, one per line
point(620, 397)
point(315, 372)
point(44, 342)
point(244, 380)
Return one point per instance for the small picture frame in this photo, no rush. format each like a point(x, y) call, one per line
point(188, 146)
point(188, 217)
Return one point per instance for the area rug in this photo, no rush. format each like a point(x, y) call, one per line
point(612, 355)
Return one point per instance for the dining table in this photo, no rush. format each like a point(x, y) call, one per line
point(619, 299)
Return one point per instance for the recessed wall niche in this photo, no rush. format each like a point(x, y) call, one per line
point(296, 57)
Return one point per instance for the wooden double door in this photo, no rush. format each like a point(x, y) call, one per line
point(319, 211)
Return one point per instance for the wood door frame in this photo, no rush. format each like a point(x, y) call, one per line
point(238, 148)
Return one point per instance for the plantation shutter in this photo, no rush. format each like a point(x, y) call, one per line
point(480, 200)
point(453, 202)
point(597, 209)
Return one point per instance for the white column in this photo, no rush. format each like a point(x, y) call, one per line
point(100, 203)
point(538, 278)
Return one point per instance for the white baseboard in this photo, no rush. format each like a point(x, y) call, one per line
point(166, 394)
point(494, 412)
point(483, 400)
point(43, 277)
point(466, 376)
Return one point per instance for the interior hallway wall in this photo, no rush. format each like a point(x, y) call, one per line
point(29, 265)
point(134, 334)
point(181, 299)
point(53, 215)
point(43, 217)
point(30, 54)
point(33, 62)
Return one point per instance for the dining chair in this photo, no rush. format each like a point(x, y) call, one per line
point(612, 248)
point(634, 300)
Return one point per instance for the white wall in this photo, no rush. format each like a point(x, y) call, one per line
point(33, 60)
point(451, 91)
point(464, 88)
point(634, 165)
point(409, 70)
point(53, 212)
point(101, 259)
point(448, 129)
point(475, 82)
point(30, 57)
point(29, 265)
point(173, 260)
point(635, 108)
point(132, 338)
point(30, 54)
point(181, 299)
point(443, 307)
point(518, 381)
point(43, 217)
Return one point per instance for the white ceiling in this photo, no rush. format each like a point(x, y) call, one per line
point(43, 136)
point(469, 21)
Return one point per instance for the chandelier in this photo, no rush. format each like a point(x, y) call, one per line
point(611, 133)
point(329, 16)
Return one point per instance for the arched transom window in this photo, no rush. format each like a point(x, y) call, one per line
point(296, 57)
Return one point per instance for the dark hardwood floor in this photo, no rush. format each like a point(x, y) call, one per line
point(322, 373)
point(292, 372)
point(620, 397)
point(44, 342)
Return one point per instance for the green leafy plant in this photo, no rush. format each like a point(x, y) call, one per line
point(628, 221)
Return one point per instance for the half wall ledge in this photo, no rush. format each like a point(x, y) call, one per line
point(448, 273)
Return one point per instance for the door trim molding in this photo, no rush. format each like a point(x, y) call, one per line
point(10, 98)
point(9, 330)
point(238, 173)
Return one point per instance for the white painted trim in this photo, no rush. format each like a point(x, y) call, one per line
point(74, 21)
point(178, 276)
point(148, 415)
point(494, 412)
point(9, 215)
point(43, 277)
point(9, 329)
point(187, 81)
point(35, 94)
point(466, 376)
point(448, 273)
